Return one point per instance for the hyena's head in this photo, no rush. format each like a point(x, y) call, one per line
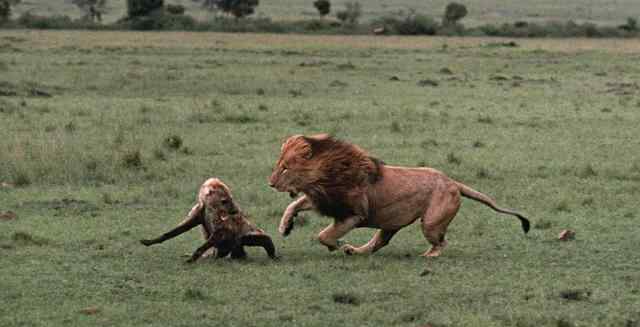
point(215, 195)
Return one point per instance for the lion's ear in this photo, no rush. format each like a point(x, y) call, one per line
point(317, 143)
point(319, 137)
point(309, 145)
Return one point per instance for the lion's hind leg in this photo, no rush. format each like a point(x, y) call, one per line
point(379, 240)
point(442, 209)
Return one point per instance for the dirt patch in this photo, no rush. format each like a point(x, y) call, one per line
point(64, 206)
point(8, 215)
point(313, 63)
point(510, 44)
point(26, 239)
point(346, 298)
point(428, 82)
point(89, 311)
point(575, 295)
point(622, 88)
point(29, 89)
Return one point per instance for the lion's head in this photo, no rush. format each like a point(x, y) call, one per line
point(215, 195)
point(322, 167)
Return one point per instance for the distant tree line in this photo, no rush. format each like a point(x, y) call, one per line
point(156, 15)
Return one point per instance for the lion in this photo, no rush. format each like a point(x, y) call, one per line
point(224, 225)
point(340, 180)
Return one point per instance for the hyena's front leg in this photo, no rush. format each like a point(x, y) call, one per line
point(201, 250)
point(193, 219)
point(286, 223)
point(207, 230)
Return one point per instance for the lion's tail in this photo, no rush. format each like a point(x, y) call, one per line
point(470, 193)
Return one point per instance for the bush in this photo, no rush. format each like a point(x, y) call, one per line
point(175, 9)
point(417, 24)
point(162, 21)
point(453, 13)
point(630, 26)
point(452, 30)
point(323, 7)
point(552, 29)
point(138, 8)
point(28, 20)
point(351, 13)
point(5, 11)
point(238, 8)
point(412, 24)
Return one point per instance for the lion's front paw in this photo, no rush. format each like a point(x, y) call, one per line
point(285, 228)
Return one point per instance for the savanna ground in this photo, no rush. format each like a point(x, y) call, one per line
point(603, 12)
point(549, 128)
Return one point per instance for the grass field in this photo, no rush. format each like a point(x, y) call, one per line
point(607, 12)
point(549, 128)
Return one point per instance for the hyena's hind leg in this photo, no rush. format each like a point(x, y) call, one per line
point(238, 252)
point(443, 207)
point(262, 240)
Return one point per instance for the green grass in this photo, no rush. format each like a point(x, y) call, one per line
point(488, 11)
point(555, 137)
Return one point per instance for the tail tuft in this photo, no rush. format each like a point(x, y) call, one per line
point(525, 224)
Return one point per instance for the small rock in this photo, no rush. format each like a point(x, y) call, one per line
point(8, 215)
point(446, 71)
point(428, 82)
point(378, 31)
point(39, 93)
point(567, 235)
point(394, 78)
point(337, 83)
point(499, 78)
point(7, 185)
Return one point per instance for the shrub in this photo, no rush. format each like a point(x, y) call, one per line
point(238, 8)
point(92, 8)
point(173, 142)
point(5, 11)
point(630, 26)
point(452, 30)
point(29, 20)
point(162, 21)
point(417, 24)
point(132, 159)
point(412, 24)
point(323, 7)
point(453, 13)
point(21, 179)
point(175, 9)
point(351, 13)
point(137, 8)
point(209, 5)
